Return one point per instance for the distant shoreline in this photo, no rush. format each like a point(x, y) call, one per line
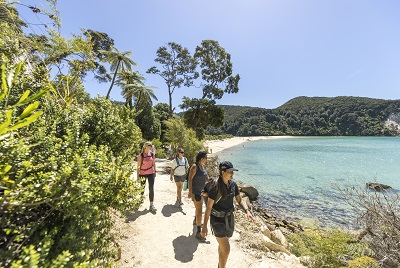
point(216, 146)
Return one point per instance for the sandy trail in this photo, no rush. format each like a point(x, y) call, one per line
point(166, 238)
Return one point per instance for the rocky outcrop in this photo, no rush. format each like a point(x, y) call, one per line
point(377, 186)
point(249, 190)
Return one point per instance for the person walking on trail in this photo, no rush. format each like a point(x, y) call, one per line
point(220, 209)
point(179, 168)
point(146, 169)
point(196, 182)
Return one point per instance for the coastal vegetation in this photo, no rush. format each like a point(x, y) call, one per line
point(314, 116)
point(67, 158)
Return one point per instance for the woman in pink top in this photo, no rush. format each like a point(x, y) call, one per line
point(146, 169)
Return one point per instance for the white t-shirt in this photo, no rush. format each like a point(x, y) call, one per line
point(180, 167)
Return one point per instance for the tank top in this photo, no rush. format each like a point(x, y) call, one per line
point(199, 181)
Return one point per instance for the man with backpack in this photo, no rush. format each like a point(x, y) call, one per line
point(179, 168)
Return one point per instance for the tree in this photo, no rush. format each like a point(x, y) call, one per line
point(100, 41)
point(161, 112)
point(119, 61)
point(130, 82)
point(179, 68)
point(216, 72)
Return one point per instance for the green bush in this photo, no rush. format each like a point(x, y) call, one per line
point(363, 262)
point(59, 181)
point(327, 248)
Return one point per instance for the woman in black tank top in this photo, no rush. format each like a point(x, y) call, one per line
point(197, 180)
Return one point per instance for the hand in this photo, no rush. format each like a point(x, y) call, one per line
point(250, 216)
point(189, 194)
point(170, 178)
point(204, 231)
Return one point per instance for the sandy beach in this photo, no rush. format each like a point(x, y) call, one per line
point(216, 146)
point(167, 238)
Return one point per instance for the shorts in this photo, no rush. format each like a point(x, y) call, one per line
point(179, 178)
point(197, 197)
point(220, 228)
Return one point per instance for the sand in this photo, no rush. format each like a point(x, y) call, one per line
point(166, 238)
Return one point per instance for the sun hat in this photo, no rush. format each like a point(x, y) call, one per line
point(226, 165)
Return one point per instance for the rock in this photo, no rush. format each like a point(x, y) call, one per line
point(273, 246)
point(377, 186)
point(249, 190)
point(279, 238)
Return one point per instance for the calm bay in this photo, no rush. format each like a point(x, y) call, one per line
point(296, 177)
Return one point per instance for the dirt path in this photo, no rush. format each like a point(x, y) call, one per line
point(166, 238)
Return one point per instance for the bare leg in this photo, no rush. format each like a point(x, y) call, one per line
point(223, 250)
point(199, 210)
point(179, 186)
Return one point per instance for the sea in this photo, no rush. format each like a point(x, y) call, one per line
point(302, 178)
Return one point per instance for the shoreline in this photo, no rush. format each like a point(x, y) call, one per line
point(216, 146)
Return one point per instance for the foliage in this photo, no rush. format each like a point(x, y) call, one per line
point(119, 62)
point(363, 262)
point(148, 124)
point(216, 72)
point(179, 68)
point(326, 248)
point(218, 137)
point(161, 113)
point(181, 137)
point(379, 216)
point(303, 116)
point(59, 179)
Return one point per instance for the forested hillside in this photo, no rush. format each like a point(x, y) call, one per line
point(314, 116)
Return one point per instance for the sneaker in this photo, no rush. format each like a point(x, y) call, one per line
point(180, 203)
point(200, 237)
point(152, 208)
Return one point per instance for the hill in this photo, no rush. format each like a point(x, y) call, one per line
point(314, 116)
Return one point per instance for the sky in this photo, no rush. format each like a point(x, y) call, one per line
point(281, 49)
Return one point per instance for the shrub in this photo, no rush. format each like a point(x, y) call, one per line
point(363, 262)
point(326, 248)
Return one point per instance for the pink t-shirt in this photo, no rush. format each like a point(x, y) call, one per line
point(147, 166)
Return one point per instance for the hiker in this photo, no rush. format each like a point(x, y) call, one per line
point(146, 169)
point(179, 168)
point(220, 209)
point(196, 182)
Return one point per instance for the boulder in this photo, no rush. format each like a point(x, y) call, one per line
point(249, 190)
point(273, 246)
point(377, 186)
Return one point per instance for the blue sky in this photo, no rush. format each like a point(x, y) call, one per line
point(281, 49)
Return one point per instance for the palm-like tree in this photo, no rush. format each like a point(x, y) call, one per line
point(119, 62)
point(133, 87)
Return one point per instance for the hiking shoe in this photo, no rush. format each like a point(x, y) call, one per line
point(200, 237)
point(180, 203)
point(152, 208)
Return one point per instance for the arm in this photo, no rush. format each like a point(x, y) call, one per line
point(204, 230)
point(171, 175)
point(138, 167)
point(154, 165)
point(243, 204)
point(192, 172)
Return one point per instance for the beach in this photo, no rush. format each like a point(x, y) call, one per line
point(216, 146)
point(167, 237)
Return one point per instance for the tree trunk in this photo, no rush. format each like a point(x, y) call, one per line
point(112, 82)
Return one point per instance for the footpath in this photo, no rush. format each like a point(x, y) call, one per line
point(166, 238)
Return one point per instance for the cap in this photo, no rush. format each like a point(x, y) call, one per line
point(226, 165)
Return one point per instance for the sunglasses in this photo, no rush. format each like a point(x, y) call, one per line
point(181, 152)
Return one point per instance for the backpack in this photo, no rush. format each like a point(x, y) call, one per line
point(177, 163)
point(141, 162)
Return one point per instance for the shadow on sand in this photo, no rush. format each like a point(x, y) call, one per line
point(169, 209)
point(185, 247)
point(132, 216)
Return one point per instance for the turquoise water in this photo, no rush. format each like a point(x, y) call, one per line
point(296, 176)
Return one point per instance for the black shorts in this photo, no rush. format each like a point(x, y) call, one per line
point(197, 197)
point(179, 178)
point(220, 228)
